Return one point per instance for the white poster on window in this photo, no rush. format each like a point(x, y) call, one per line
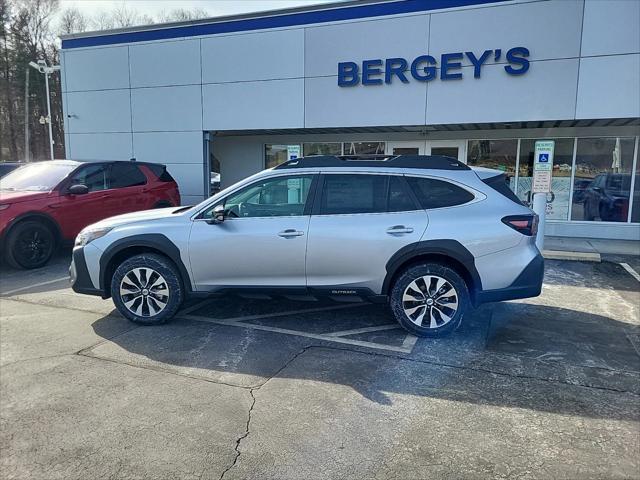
point(293, 152)
point(542, 166)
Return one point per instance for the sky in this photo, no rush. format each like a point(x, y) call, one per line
point(215, 8)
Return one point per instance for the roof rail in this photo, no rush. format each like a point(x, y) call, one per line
point(431, 162)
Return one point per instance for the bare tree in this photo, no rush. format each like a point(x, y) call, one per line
point(181, 15)
point(72, 20)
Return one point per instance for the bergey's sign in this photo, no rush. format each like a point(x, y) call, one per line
point(426, 68)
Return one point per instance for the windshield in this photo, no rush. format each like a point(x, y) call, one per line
point(37, 177)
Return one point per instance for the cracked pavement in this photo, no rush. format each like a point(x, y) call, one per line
point(541, 388)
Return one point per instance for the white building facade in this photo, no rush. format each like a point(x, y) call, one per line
point(475, 79)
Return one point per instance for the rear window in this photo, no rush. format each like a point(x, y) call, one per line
point(126, 175)
point(433, 193)
point(160, 171)
point(363, 193)
point(500, 184)
point(343, 194)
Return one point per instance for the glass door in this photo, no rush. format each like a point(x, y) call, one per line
point(406, 148)
point(448, 148)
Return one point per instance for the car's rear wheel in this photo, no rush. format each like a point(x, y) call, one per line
point(429, 299)
point(147, 289)
point(30, 244)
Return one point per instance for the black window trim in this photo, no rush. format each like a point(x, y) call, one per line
point(317, 204)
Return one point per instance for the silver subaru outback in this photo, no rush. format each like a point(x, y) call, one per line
point(426, 234)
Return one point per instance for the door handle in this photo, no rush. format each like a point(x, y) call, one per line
point(290, 232)
point(399, 229)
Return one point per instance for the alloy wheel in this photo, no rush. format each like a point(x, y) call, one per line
point(33, 247)
point(144, 292)
point(430, 301)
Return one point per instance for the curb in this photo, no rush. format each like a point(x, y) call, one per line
point(576, 256)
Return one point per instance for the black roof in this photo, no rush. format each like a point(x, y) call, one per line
point(433, 162)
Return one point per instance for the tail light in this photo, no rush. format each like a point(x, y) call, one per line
point(525, 224)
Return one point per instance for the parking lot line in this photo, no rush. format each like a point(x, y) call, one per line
point(297, 333)
point(355, 331)
point(35, 285)
point(282, 314)
point(631, 271)
point(409, 342)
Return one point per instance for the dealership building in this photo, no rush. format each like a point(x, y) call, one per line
point(477, 80)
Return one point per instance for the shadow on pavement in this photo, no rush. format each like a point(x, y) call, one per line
point(519, 360)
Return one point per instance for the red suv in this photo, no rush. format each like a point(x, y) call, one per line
point(45, 204)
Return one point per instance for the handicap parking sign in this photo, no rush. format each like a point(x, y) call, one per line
point(544, 157)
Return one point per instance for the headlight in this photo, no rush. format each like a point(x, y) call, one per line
point(90, 234)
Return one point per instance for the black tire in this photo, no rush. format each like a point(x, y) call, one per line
point(429, 305)
point(153, 308)
point(30, 244)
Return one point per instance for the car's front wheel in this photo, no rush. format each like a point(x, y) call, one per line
point(429, 299)
point(147, 289)
point(30, 244)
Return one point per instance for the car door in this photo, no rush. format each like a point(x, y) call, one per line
point(127, 185)
point(359, 222)
point(74, 212)
point(262, 241)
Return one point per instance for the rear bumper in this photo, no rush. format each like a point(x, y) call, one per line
point(79, 275)
point(528, 284)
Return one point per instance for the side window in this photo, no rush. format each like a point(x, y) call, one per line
point(400, 199)
point(353, 193)
point(438, 193)
point(93, 176)
point(275, 197)
point(126, 175)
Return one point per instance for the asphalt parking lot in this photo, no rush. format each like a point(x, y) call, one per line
point(241, 387)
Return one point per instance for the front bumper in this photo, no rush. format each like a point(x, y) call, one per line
point(528, 284)
point(79, 275)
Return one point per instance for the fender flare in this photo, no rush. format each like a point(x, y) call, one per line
point(34, 215)
point(155, 241)
point(448, 248)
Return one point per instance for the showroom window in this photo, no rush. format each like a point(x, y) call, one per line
point(602, 182)
point(635, 213)
point(274, 155)
point(364, 148)
point(496, 154)
point(322, 149)
point(558, 199)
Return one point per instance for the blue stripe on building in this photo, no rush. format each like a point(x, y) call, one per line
point(277, 21)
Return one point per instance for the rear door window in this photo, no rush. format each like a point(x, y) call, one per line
point(433, 193)
point(353, 193)
point(364, 193)
point(124, 175)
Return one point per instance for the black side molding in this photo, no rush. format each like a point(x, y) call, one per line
point(155, 241)
point(448, 248)
point(82, 282)
point(528, 284)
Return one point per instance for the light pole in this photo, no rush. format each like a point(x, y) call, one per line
point(42, 67)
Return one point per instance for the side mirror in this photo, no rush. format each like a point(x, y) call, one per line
point(218, 215)
point(78, 190)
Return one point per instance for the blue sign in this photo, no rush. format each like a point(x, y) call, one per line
point(424, 68)
point(544, 158)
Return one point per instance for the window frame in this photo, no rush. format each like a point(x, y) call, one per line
point(308, 205)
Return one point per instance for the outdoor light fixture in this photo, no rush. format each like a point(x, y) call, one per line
point(43, 68)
